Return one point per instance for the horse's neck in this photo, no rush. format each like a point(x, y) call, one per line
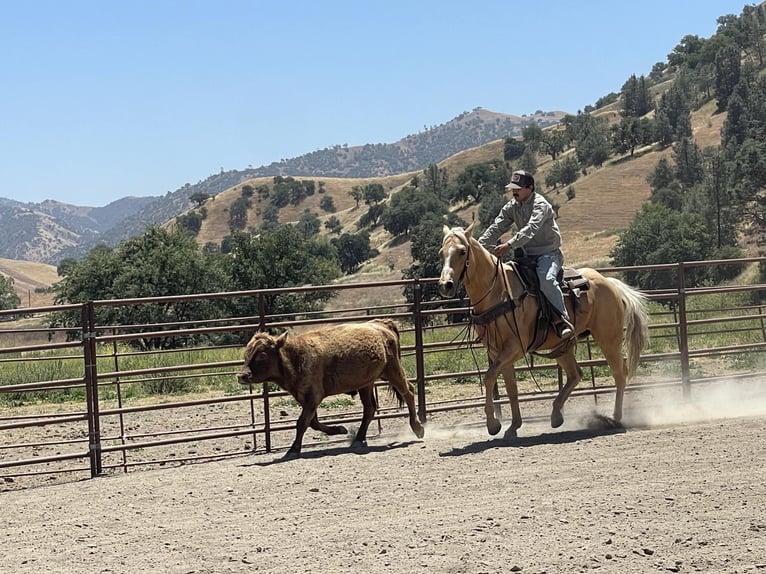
point(488, 281)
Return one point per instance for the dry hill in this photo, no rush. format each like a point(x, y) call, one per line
point(29, 276)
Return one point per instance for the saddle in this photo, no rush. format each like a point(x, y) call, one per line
point(572, 284)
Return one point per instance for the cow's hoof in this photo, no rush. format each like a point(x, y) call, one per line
point(359, 446)
point(494, 427)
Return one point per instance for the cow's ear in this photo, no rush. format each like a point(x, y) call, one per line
point(281, 340)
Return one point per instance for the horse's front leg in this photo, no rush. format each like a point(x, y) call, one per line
point(490, 384)
point(509, 376)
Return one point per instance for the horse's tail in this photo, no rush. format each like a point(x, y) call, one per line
point(636, 323)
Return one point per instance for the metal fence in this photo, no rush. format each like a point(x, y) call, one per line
point(94, 399)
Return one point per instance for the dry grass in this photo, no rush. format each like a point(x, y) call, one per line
point(29, 276)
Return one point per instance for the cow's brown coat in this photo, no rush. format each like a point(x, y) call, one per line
point(331, 360)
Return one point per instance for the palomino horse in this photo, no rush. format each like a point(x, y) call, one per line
point(612, 312)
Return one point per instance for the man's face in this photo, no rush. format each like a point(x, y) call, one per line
point(522, 194)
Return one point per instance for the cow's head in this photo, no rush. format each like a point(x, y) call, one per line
point(262, 358)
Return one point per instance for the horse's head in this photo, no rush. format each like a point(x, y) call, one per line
point(454, 254)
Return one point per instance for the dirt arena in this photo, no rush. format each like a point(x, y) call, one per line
point(682, 488)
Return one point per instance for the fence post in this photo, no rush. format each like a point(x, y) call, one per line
point(91, 388)
point(420, 376)
point(683, 343)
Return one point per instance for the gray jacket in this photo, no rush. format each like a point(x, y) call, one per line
point(537, 230)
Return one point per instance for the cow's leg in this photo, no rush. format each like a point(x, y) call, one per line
point(308, 413)
point(370, 405)
point(327, 429)
point(396, 377)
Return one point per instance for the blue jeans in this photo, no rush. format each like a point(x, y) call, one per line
point(548, 267)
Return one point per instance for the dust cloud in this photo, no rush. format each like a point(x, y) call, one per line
point(707, 402)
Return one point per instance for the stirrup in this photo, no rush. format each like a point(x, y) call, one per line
point(564, 330)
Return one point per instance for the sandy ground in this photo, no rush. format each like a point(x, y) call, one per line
point(681, 488)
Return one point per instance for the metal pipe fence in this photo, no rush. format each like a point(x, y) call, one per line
point(96, 398)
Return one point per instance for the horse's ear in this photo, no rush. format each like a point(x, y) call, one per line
point(445, 229)
point(281, 340)
point(468, 230)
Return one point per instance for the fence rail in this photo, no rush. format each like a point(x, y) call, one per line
point(95, 398)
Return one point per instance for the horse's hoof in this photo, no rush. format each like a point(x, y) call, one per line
point(291, 455)
point(419, 431)
point(359, 445)
point(510, 434)
point(336, 430)
point(557, 419)
point(494, 427)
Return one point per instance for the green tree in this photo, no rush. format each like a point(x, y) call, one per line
point(635, 97)
point(661, 235)
point(199, 198)
point(727, 71)
point(353, 250)
point(478, 179)
point(157, 263)
point(435, 181)
point(238, 213)
point(512, 149)
point(356, 194)
point(688, 160)
point(191, 222)
point(327, 203)
point(373, 193)
point(408, 207)
point(333, 225)
point(282, 257)
point(308, 224)
point(9, 299)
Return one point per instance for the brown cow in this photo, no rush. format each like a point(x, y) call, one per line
point(329, 361)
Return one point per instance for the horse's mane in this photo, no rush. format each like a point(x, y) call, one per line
point(461, 233)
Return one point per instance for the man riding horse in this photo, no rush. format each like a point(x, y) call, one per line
point(537, 235)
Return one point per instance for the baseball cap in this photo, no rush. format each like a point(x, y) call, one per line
point(520, 179)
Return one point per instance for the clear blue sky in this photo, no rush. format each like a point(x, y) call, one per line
point(106, 99)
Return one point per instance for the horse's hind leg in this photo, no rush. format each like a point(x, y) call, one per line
point(618, 365)
point(370, 405)
point(573, 373)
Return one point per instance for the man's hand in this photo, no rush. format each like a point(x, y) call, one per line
point(501, 250)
